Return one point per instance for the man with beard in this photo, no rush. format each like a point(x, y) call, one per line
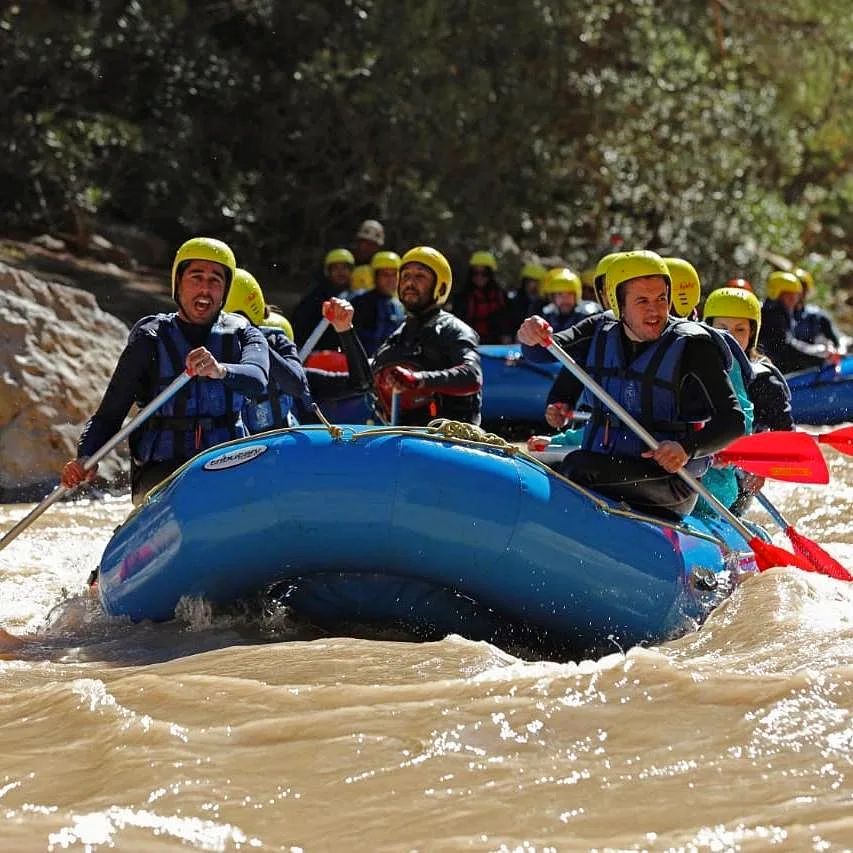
point(431, 360)
point(228, 356)
point(668, 373)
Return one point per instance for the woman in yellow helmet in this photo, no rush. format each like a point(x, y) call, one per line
point(226, 354)
point(482, 302)
point(738, 311)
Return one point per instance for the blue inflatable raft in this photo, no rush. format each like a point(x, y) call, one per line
point(411, 527)
point(823, 395)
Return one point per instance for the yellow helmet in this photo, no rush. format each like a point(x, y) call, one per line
point(686, 287)
point(733, 302)
point(560, 280)
point(362, 278)
point(338, 256)
point(483, 259)
point(204, 249)
point(588, 277)
point(246, 297)
point(600, 273)
point(779, 282)
point(627, 265)
point(385, 261)
point(806, 279)
point(279, 321)
point(434, 260)
point(533, 271)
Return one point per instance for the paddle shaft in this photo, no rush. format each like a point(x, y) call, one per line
point(319, 330)
point(577, 371)
point(772, 511)
point(96, 457)
point(395, 408)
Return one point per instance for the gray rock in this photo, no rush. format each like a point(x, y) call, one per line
point(57, 353)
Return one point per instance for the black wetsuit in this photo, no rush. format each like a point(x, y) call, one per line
point(443, 351)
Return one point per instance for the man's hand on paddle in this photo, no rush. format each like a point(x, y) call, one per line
point(535, 331)
point(670, 455)
point(73, 473)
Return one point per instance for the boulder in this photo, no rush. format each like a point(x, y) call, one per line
point(57, 353)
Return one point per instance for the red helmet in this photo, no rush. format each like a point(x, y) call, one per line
point(741, 283)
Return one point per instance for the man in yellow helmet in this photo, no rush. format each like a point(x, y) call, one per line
point(337, 278)
point(431, 360)
point(226, 354)
point(668, 373)
point(378, 312)
point(777, 338)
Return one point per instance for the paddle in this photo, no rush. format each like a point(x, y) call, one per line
point(766, 554)
point(791, 456)
point(395, 408)
point(810, 550)
point(306, 349)
point(840, 439)
point(96, 457)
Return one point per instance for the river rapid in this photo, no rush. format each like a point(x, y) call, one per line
point(246, 732)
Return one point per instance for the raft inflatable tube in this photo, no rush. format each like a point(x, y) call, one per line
point(404, 525)
point(823, 395)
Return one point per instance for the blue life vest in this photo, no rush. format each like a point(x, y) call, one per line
point(204, 412)
point(272, 410)
point(648, 388)
point(560, 322)
point(807, 324)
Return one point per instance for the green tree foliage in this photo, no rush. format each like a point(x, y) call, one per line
point(705, 128)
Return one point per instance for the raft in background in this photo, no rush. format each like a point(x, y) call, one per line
point(411, 529)
point(823, 395)
point(515, 390)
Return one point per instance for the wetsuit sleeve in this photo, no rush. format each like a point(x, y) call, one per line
point(286, 367)
point(250, 375)
point(828, 330)
point(575, 340)
point(360, 376)
point(771, 397)
point(466, 374)
point(333, 385)
point(703, 364)
point(137, 361)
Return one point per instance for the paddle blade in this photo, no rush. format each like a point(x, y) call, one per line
point(840, 439)
point(819, 559)
point(791, 456)
point(768, 555)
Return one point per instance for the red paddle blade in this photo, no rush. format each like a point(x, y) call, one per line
point(819, 559)
point(840, 439)
point(768, 555)
point(791, 456)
